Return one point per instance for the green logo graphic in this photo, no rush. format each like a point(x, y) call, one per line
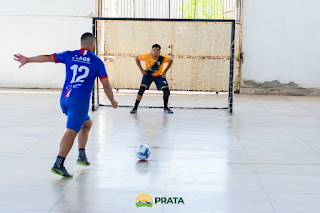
point(144, 200)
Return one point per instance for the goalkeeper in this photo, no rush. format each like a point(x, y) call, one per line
point(153, 72)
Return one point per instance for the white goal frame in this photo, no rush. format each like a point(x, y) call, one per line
point(95, 94)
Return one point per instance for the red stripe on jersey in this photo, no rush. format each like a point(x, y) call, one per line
point(83, 49)
point(103, 77)
point(55, 59)
point(66, 93)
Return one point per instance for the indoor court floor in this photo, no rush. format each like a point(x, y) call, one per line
point(265, 158)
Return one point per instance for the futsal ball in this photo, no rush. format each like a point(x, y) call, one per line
point(143, 151)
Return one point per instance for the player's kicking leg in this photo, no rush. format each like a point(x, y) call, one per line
point(77, 112)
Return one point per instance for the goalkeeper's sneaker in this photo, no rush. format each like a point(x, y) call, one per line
point(61, 171)
point(167, 110)
point(83, 161)
point(133, 111)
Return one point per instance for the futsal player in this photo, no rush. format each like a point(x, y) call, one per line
point(82, 68)
point(153, 73)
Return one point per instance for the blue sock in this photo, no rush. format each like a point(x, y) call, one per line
point(82, 153)
point(59, 162)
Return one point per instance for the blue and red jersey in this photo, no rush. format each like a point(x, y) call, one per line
point(82, 68)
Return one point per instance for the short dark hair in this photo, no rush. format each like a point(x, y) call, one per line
point(87, 38)
point(156, 46)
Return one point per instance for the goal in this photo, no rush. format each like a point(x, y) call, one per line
point(201, 76)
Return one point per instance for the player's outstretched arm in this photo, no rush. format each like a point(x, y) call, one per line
point(40, 58)
point(140, 67)
point(108, 91)
point(167, 68)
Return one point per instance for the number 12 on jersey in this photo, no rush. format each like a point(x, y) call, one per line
point(79, 69)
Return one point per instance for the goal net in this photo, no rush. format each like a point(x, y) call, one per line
point(201, 75)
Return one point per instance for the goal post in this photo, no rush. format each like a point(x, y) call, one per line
point(201, 76)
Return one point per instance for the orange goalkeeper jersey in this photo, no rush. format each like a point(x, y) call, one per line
point(154, 65)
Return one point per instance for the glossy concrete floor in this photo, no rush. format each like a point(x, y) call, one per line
point(264, 158)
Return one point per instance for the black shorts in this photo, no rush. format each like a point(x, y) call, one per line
point(158, 80)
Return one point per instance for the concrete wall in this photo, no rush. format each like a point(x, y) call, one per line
point(37, 27)
point(281, 43)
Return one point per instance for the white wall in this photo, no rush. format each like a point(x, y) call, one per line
point(37, 27)
point(281, 41)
